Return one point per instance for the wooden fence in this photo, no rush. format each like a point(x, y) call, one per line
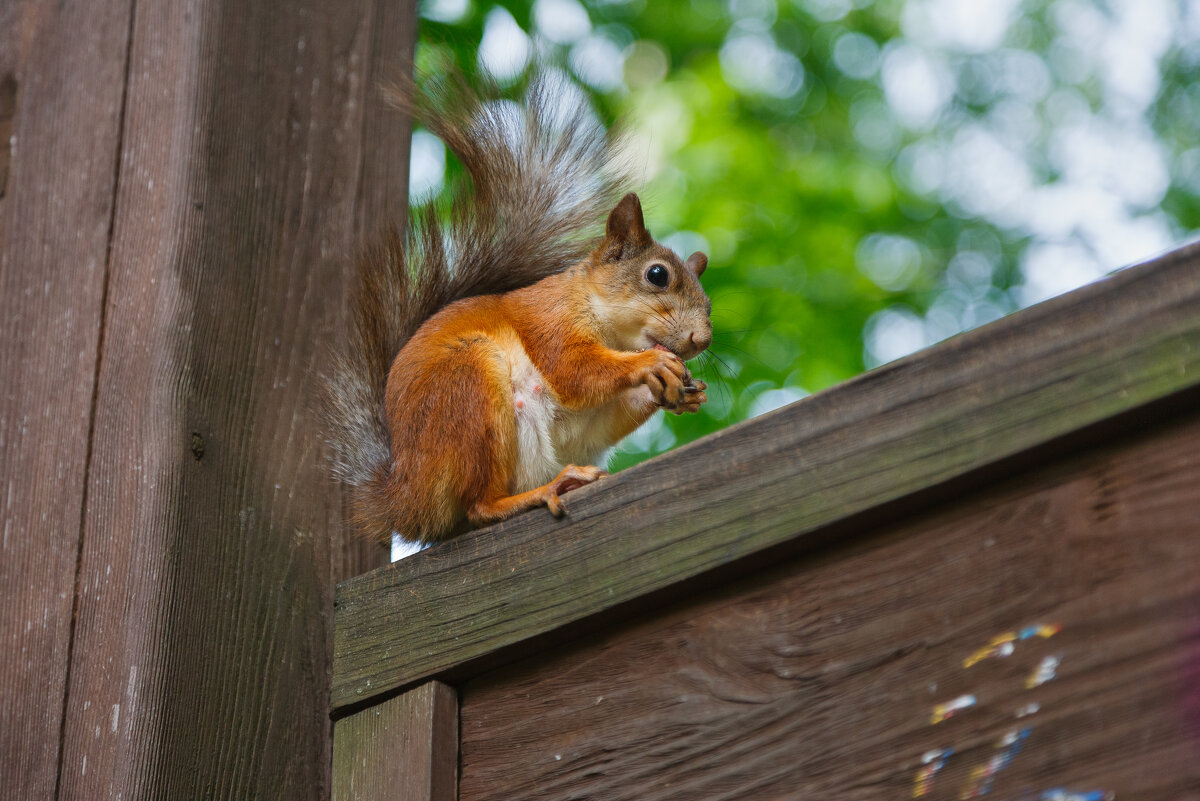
point(783, 610)
point(182, 187)
point(975, 571)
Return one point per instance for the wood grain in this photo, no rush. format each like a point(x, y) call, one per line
point(819, 679)
point(403, 749)
point(62, 69)
point(200, 661)
point(940, 415)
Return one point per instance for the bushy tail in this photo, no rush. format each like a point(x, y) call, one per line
point(542, 176)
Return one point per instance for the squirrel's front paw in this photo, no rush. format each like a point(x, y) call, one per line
point(693, 397)
point(667, 377)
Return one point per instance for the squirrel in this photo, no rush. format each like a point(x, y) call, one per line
point(497, 353)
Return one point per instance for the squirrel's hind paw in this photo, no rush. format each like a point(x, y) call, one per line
point(571, 477)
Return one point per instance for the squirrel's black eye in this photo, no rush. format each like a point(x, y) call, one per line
point(658, 275)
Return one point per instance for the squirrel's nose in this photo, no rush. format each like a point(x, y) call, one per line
point(700, 342)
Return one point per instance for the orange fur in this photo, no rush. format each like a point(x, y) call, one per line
point(567, 357)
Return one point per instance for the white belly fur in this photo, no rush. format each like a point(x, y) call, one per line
point(550, 437)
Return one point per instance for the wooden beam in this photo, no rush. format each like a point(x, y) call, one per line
point(62, 74)
point(211, 543)
point(403, 749)
point(963, 405)
point(1037, 634)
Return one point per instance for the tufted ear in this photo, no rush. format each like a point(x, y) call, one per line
point(625, 233)
point(696, 263)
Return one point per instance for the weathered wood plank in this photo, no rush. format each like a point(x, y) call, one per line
point(958, 407)
point(201, 654)
point(62, 71)
point(403, 749)
point(822, 678)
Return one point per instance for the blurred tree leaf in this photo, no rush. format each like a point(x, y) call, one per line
point(870, 177)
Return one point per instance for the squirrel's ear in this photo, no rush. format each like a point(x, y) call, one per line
point(696, 263)
point(625, 233)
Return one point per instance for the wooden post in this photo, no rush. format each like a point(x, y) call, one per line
point(403, 749)
point(62, 71)
point(177, 222)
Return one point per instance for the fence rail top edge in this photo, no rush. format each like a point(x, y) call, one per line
point(972, 401)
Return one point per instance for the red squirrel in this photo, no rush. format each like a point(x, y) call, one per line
point(497, 354)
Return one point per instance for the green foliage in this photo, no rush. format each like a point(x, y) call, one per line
point(848, 220)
